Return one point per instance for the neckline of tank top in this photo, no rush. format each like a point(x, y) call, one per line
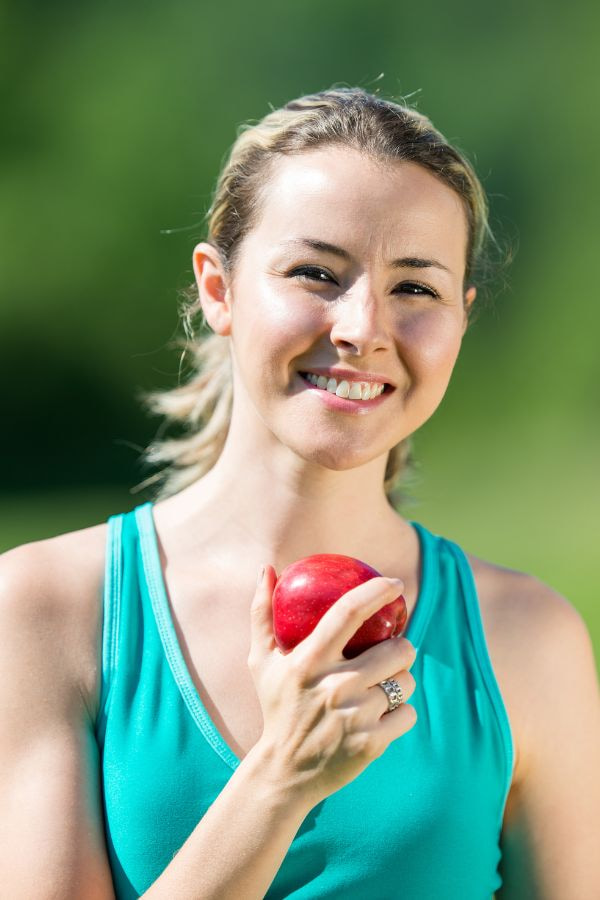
point(417, 623)
point(143, 521)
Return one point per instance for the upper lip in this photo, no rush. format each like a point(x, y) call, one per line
point(349, 375)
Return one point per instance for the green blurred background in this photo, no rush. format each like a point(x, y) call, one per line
point(116, 118)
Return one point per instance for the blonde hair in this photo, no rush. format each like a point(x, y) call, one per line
point(382, 129)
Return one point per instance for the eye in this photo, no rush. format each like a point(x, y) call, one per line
point(415, 289)
point(313, 273)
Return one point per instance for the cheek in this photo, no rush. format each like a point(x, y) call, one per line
point(269, 332)
point(432, 341)
point(284, 327)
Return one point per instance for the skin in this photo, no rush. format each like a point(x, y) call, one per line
point(361, 314)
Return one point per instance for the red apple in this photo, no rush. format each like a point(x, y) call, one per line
point(307, 588)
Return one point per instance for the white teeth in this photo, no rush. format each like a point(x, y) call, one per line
point(343, 389)
point(352, 390)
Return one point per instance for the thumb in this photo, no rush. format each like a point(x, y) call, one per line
point(261, 613)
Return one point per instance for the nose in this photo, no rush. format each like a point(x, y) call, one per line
point(360, 324)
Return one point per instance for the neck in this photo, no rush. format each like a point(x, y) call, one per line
point(281, 508)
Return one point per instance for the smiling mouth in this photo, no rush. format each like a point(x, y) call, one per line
point(344, 395)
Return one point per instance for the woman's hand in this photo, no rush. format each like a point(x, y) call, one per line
point(325, 717)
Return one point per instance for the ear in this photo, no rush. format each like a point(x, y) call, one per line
point(470, 295)
point(213, 287)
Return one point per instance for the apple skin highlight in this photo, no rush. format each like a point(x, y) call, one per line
point(307, 588)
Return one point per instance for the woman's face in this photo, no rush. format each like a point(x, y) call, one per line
point(389, 300)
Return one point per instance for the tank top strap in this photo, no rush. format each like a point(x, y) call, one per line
point(428, 590)
point(481, 652)
point(117, 535)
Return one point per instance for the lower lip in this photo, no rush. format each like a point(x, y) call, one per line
point(343, 405)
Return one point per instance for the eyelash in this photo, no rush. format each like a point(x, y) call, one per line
point(302, 272)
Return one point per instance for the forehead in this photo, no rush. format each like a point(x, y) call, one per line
point(340, 195)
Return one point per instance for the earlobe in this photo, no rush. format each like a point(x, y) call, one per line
point(469, 299)
point(470, 295)
point(213, 290)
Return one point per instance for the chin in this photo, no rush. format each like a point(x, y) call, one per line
point(335, 459)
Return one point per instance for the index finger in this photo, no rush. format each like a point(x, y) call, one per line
point(343, 619)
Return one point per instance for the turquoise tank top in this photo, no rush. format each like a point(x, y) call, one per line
point(422, 821)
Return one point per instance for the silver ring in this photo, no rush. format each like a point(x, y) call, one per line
point(394, 693)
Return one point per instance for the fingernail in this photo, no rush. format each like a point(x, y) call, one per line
point(261, 575)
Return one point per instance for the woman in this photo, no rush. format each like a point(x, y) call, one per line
point(155, 738)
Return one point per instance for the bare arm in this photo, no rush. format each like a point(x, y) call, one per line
point(51, 836)
point(239, 844)
point(550, 843)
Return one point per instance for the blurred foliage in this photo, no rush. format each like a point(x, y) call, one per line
point(116, 118)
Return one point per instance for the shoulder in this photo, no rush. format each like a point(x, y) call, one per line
point(51, 595)
point(531, 630)
point(526, 609)
point(517, 600)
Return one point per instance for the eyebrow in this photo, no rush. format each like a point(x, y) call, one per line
point(411, 262)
